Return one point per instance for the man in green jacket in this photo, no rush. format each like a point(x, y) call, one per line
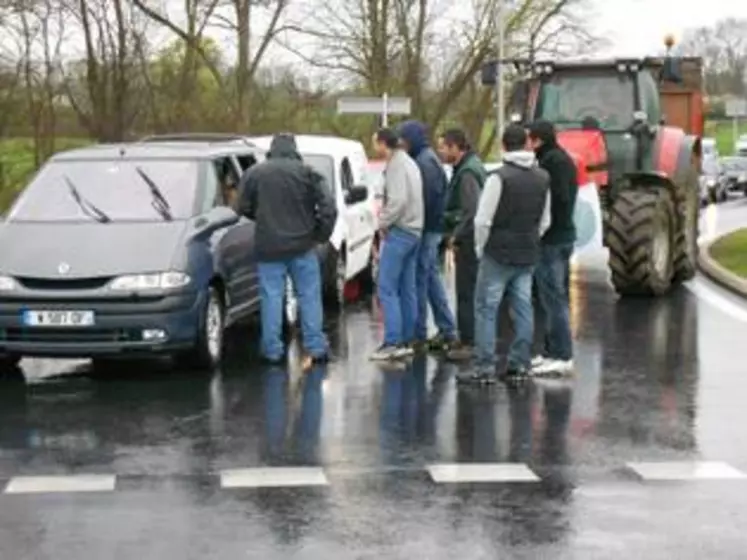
point(463, 195)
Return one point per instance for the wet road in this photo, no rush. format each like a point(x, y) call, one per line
point(642, 453)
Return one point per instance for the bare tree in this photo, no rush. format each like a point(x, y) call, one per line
point(429, 50)
point(103, 86)
point(723, 48)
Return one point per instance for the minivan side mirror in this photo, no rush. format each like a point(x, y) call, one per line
point(356, 194)
point(215, 219)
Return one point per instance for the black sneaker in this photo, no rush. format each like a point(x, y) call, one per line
point(481, 377)
point(439, 343)
point(459, 352)
point(516, 374)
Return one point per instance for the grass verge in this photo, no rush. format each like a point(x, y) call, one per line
point(731, 252)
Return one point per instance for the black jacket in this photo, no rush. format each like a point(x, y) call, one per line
point(563, 190)
point(289, 201)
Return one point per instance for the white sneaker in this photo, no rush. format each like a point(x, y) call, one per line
point(537, 361)
point(553, 367)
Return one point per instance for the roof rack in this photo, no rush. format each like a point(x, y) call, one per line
point(211, 137)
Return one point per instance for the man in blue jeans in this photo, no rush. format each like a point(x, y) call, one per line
point(551, 275)
point(512, 214)
point(294, 212)
point(401, 223)
point(430, 287)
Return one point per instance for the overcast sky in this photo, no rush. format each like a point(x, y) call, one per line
point(638, 27)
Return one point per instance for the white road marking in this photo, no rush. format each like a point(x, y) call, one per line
point(56, 484)
point(686, 470)
point(481, 472)
point(273, 477)
point(709, 295)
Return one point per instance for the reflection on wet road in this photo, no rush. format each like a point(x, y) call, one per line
point(351, 460)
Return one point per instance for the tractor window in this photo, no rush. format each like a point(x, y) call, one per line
point(568, 99)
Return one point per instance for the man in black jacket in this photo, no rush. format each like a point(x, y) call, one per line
point(294, 212)
point(551, 274)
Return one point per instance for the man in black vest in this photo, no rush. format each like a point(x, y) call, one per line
point(512, 215)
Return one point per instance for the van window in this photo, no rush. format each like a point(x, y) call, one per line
point(228, 182)
point(245, 161)
point(346, 175)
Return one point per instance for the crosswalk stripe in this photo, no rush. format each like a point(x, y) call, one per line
point(273, 477)
point(54, 484)
point(481, 472)
point(685, 470)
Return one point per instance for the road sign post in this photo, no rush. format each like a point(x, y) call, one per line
point(383, 106)
point(736, 109)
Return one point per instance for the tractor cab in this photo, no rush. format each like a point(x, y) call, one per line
point(607, 112)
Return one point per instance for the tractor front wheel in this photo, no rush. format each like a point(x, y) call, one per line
point(639, 236)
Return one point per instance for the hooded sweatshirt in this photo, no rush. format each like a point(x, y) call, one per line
point(290, 202)
point(403, 195)
point(563, 185)
point(490, 199)
point(435, 182)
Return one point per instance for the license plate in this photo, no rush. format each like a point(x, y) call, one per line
point(32, 318)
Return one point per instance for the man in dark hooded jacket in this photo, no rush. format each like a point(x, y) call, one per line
point(552, 271)
point(294, 212)
point(430, 287)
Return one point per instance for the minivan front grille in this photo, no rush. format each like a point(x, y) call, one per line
point(67, 335)
point(63, 284)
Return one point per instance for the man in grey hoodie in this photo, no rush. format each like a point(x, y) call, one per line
point(512, 214)
point(401, 223)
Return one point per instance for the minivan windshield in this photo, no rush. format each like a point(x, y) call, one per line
point(116, 188)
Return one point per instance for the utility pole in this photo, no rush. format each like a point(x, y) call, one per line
point(500, 102)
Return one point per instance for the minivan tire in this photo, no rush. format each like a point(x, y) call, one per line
point(207, 352)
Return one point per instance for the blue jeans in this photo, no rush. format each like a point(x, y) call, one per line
point(493, 282)
point(551, 277)
point(307, 281)
point(431, 290)
point(396, 285)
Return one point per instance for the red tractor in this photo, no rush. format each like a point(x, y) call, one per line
point(634, 128)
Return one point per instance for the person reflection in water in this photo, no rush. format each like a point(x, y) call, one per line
point(279, 393)
point(402, 419)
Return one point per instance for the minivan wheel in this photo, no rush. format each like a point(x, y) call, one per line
point(9, 364)
point(207, 352)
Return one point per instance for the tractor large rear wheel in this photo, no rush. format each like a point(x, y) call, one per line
point(640, 241)
point(686, 246)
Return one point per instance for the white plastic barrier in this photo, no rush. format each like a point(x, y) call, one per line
point(588, 219)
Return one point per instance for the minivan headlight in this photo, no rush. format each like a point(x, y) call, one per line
point(154, 281)
point(7, 283)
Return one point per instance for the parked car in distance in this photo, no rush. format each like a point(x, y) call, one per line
point(349, 254)
point(740, 148)
point(713, 187)
point(734, 171)
point(129, 250)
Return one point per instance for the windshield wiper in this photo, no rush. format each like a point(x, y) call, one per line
point(88, 207)
point(160, 204)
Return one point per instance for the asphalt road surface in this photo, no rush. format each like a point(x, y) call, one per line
point(643, 454)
